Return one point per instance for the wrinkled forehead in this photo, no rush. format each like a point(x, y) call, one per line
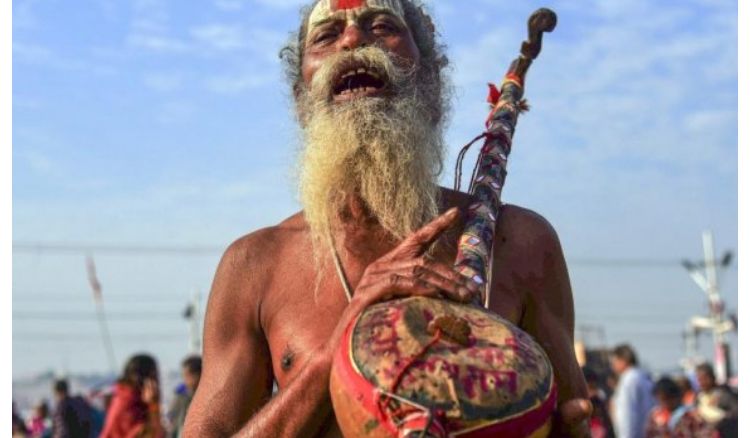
point(350, 10)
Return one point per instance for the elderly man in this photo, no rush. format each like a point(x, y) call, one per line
point(367, 78)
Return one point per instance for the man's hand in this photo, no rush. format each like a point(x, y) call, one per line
point(407, 271)
point(571, 419)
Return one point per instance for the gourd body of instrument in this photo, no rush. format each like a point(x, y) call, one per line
point(499, 383)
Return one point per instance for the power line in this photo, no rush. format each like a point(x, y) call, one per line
point(115, 248)
point(85, 316)
point(57, 338)
point(139, 298)
point(143, 334)
point(204, 250)
point(625, 262)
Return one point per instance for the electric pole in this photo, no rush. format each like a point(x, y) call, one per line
point(705, 275)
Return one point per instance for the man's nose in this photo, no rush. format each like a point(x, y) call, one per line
point(353, 38)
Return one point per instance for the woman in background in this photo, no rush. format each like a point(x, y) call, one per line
point(134, 409)
point(40, 424)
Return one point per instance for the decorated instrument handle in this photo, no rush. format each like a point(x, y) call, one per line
point(475, 244)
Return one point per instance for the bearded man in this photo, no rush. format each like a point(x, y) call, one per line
point(368, 81)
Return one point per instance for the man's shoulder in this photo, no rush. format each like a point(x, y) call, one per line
point(265, 245)
point(529, 236)
point(526, 225)
point(515, 222)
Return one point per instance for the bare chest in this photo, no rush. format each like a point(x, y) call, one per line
point(300, 312)
point(299, 315)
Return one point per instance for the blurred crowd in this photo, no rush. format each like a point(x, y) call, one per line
point(131, 408)
point(629, 403)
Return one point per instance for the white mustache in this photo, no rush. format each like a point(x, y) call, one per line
point(393, 70)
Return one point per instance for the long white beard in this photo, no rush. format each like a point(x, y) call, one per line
point(387, 151)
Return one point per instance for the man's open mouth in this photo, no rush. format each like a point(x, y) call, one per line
point(358, 82)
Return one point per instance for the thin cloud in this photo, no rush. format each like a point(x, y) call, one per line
point(221, 37)
point(158, 43)
point(40, 163)
point(175, 112)
point(45, 56)
point(164, 81)
point(239, 83)
point(281, 4)
point(230, 5)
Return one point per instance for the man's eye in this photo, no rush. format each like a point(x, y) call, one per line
point(383, 28)
point(324, 36)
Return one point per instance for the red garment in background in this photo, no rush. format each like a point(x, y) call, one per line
point(689, 425)
point(129, 417)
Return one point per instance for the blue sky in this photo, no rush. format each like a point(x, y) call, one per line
point(158, 122)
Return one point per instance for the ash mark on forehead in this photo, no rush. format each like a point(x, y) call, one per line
point(324, 10)
point(346, 4)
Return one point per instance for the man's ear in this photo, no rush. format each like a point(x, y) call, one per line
point(297, 91)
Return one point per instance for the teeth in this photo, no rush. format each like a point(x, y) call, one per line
point(348, 87)
point(360, 71)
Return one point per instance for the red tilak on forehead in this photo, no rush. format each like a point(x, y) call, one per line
point(338, 5)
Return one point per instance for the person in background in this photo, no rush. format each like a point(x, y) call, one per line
point(19, 427)
point(73, 414)
point(40, 423)
point(717, 404)
point(688, 393)
point(600, 422)
point(134, 409)
point(191, 374)
point(632, 398)
point(671, 418)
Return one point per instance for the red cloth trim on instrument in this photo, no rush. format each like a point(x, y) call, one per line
point(366, 392)
point(494, 95)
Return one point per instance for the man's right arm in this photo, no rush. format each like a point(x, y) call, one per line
point(233, 394)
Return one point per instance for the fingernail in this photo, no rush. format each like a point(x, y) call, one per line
point(472, 285)
point(464, 294)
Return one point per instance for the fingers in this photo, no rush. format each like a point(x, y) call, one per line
point(420, 240)
point(399, 286)
point(571, 419)
point(448, 288)
point(576, 410)
point(454, 285)
point(405, 272)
